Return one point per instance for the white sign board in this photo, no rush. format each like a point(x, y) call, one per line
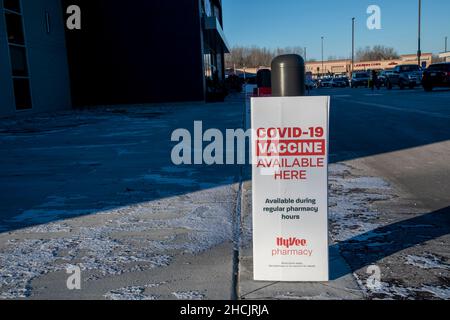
point(290, 188)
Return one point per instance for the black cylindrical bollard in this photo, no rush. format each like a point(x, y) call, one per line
point(263, 78)
point(288, 76)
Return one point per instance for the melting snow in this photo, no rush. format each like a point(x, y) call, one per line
point(428, 261)
point(204, 219)
point(438, 292)
point(350, 197)
point(130, 293)
point(189, 295)
point(390, 291)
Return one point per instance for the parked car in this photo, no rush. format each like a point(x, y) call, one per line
point(326, 82)
point(437, 75)
point(407, 75)
point(346, 81)
point(338, 83)
point(360, 79)
point(233, 83)
point(383, 76)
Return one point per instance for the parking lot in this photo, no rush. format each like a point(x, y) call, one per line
point(412, 124)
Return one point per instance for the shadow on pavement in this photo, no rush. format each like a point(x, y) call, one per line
point(368, 248)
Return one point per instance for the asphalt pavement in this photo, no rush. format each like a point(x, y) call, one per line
point(404, 136)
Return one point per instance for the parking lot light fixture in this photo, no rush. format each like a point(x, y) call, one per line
point(322, 57)
point(353, 43)
point(419, 52)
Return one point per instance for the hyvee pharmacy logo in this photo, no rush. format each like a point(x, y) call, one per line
point(291, 242)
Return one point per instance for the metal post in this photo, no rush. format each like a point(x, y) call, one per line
point(353, 44)
point(288, 76)
point(322, 56)
point(446, 44)
point(419, 52)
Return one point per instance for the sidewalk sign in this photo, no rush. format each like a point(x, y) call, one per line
point(290, 188)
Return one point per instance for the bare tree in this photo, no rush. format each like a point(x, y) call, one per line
point(378, 52)
point(253, 57)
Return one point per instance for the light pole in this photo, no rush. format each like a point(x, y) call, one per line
point(322, 56)
point(353, 44)
point(419, 52)
point(304, 53)
point(446, 44)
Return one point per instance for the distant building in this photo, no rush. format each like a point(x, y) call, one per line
point(144, 51)
point(445, 56)
point(130, 52)
point(345, 66)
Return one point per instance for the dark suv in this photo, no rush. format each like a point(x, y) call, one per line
point(360, 79)
point(437, 75)
point(407, 75)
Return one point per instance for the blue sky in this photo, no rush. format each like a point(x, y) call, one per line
point(281, 23)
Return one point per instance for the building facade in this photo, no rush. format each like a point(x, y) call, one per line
point(145, 51)
point(133, 52)
point(34, 74)
point(445, 56)
point(345, 66)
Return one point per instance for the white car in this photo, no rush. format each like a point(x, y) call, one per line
point(326, 82)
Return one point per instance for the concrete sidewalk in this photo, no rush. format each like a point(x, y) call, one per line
point(97, 189)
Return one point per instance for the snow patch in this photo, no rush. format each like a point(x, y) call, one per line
point(428, 261)
point(130, 293)
point(189, 295)
point(438, 292)
point(120, 241)
point(350, 197)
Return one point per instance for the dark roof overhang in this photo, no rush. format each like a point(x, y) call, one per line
point(216, 35)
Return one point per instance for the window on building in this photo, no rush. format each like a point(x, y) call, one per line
point(18, 61)
point(219, 66)
point(14, 28)
point(208, 7)
point(216, 12)
point(208, 66)
point(22, 93)
point(18, 54)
